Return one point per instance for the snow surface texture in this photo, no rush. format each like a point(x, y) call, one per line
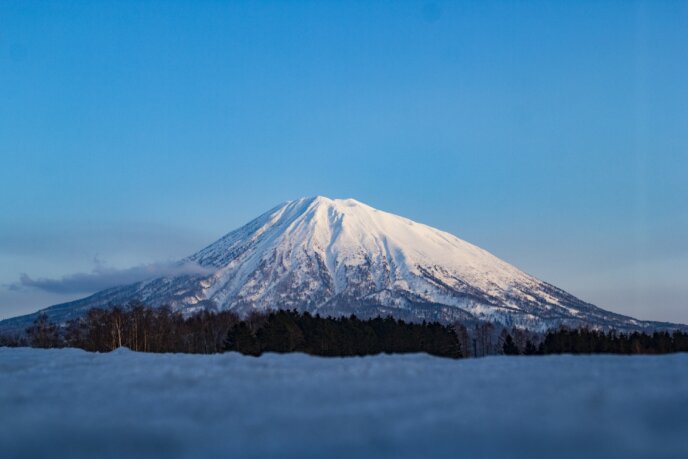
point(73, 404)
point(340, 256)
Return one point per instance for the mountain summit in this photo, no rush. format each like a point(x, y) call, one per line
point(340, 256)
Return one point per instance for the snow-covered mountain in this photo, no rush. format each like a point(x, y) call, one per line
point(340, 256)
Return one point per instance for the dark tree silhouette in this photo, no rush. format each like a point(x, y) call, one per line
point(290, 331)
point(509, 347)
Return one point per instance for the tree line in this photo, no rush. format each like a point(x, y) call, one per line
point(290, 331)
point(487, 338)
point(587, 341)
point(590, 341)
point(146, 329)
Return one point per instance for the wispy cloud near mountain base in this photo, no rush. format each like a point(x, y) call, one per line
point(102, 277)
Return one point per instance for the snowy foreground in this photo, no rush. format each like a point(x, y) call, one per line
point(70, 403)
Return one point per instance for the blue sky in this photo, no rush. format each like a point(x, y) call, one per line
point(554, 134)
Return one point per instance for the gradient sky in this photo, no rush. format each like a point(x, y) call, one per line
point(553, 134)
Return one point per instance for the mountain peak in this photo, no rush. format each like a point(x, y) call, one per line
point(340, 256)
point(318, 201)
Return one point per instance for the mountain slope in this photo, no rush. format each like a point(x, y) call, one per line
point(341, 257)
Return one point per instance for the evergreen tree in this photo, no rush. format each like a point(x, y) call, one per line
point(509, 347)
point(530, 348)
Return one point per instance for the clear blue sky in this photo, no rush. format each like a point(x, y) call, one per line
point(554, 134)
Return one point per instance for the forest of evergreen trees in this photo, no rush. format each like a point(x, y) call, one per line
point(489, 339)
point(288, 331)
point(146, 329)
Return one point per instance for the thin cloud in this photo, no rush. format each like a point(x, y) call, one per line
point(103, 277)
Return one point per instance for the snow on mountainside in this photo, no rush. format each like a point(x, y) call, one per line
point(340, 256)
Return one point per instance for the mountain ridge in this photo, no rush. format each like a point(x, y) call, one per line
point(340, 257)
